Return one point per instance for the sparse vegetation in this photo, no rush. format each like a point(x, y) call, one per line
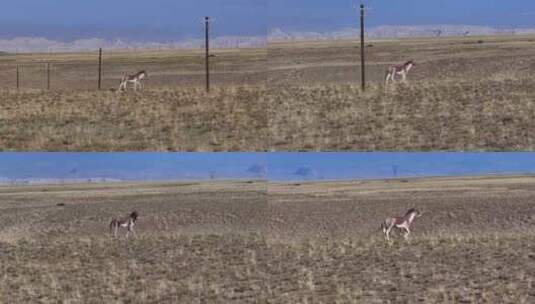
point(166, 68)
point(462, 95)
point(473, 244)
point(197, 242)
point(166, 119)
point(172, 114)
point(465, 115)
point(250, 242)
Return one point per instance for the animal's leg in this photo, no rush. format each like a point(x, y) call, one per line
point(385, 226)
point(404, 75)
point(407, 232)
point(116, 227)
point(388, 232)
point(388, 78)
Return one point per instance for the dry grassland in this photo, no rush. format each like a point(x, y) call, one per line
point(177, 68)
point(165, 119)
point(473, 244)
point(464, 94)
point(469, 93)
point(249, 242)
point(196, 243)
point(173, 113)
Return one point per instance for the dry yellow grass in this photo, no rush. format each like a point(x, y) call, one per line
point(166, 119)
point(250, 242)
point(473, 243)
point(196, 242)
point(180, 68)
point(462, 95)
point(469, 93)
point(476, 115)
point(173, 113)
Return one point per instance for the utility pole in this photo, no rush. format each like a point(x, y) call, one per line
point(18, 78)
point(362, 53)
point(207, 51)
point(99, 68)
point(48, 75)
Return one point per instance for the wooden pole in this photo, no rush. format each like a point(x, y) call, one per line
point(18, 78)
point(362, 53)
point(48, 75)
point(207, 52)
point(99, 68)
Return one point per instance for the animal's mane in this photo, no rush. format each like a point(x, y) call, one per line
point(410, 211)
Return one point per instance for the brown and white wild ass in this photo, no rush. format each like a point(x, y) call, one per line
point(126, 222)
point(402, 70)
point(400, 222)
point(135, 79)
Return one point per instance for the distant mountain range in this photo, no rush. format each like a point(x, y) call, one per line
point(43, 181)
point(388, 31)
point(39, 44)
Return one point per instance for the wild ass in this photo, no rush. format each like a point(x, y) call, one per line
point(402, 70)
point(135, 79)
point(400, 222)
point(126, 222)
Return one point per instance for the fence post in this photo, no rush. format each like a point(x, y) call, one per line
point(18, 78)
point(99, 68)
point(207, 52)
point(48, 75)
point(362, 53)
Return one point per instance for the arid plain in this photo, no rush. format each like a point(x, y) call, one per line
point(172, 113)
point(472, 244)
point(250, 242)
point(469, 93)
point(465, 93)
point(196, 242)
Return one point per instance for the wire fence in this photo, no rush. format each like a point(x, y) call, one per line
point(78, 71)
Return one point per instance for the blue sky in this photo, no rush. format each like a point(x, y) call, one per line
point(278, 166)
point(150, 20)
point(160, 20)
point(321, 15)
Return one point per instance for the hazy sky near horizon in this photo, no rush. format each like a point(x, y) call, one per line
point(274, 166)
point(153, 20)
point(158, 20)
point(320, 15)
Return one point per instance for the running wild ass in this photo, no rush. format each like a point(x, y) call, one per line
point(126, 222)
point(401, 70)
point(134, 79)
point(400, 222)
